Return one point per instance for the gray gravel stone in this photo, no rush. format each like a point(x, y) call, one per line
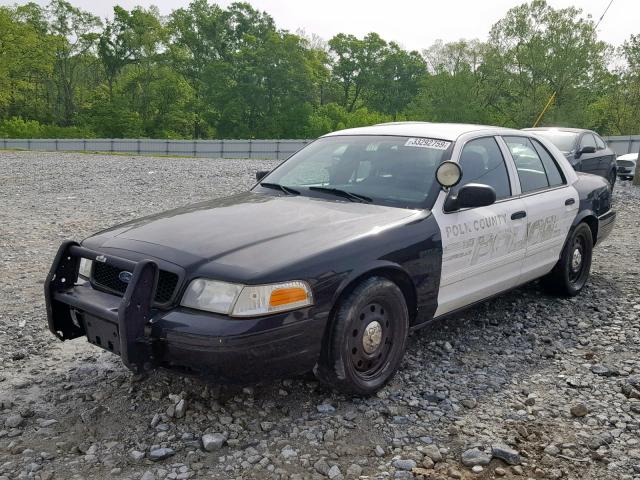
point(475, 456)
point(326, 408)
point(136, 455)
point(213, 441)
point(161, 454)
point(579, 410)
point(13, 421)
point(525, 356)
point(334, 473)
point(506, 453)
point(181, 408)
point(404, 464)
point(433, 452)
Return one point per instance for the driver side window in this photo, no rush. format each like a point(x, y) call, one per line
point(482, 162)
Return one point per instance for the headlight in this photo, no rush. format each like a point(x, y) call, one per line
point(211, 295)
point(246, 301)
point(85, 268)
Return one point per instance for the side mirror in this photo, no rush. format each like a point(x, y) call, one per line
point(587, 149)
point(471, 195)
point(260, 174)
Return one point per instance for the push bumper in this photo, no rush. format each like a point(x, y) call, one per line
point(181, 339)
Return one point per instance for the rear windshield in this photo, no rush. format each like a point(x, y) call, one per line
point(390, 170)
point(565, 141)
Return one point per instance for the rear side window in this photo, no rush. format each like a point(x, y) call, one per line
point(482, 162)
point(529, 165)
point(554, 174)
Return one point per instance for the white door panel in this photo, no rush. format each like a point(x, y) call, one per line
point(483, 252)
point(549, 220)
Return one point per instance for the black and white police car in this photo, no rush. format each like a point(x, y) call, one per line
point(334, 256)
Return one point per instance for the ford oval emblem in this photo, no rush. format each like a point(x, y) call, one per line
point(125, 277)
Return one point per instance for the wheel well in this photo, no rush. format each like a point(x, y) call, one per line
point(592, 222)
point(401, 279)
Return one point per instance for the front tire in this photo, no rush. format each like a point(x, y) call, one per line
point(367, 339)
point(571, 272)
point(612, 178)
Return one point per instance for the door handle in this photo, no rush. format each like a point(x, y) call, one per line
point(518, 215)
point(570, 201)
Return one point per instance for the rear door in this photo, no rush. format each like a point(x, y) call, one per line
point(589, 162)
point(483, 248)
point(551, 204)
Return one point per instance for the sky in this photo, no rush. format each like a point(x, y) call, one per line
point(414, 24)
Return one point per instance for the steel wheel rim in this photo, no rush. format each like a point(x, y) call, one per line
point(577, 259)
point(371, 340)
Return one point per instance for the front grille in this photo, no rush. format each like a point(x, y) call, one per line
point(625, 163)
point(106, 276)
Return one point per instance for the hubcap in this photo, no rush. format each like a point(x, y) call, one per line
point(576, 260)
point(372, 337)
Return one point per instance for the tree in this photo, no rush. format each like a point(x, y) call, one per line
point(396, 80)
point(453, 89)
point(354, 65)
point(212, 71)
point(534, 51)
point(76, 36)
point(26, 62)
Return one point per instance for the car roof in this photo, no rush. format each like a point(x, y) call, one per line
point(561, 129)
point(441, 131)
point(628, 156)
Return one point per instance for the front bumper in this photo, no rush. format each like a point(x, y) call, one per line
point(182, 339)
point(605, 225)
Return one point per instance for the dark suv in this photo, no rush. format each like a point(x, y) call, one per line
point(586, 150)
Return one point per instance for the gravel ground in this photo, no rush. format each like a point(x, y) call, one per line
point(524, 386)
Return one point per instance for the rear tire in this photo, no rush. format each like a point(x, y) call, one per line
point(571, 272)
point(367, 339)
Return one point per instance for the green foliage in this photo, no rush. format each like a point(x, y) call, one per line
point(333, 116)
point(208, 71)
point(19, 128)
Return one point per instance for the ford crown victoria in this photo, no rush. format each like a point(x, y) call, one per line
point(335, 256)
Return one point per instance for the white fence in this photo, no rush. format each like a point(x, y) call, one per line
point(268, 149)
point(624, 144)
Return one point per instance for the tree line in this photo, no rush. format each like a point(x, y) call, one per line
point(205, 71)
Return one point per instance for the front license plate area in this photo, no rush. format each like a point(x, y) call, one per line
point(102, 333)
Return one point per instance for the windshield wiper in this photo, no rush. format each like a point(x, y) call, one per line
point(277, 186)
point(354, 197)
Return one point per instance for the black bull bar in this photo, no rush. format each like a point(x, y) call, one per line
point(130, 313)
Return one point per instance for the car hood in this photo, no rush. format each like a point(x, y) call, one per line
point(250, 231)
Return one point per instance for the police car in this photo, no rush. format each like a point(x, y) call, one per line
point(335, 256)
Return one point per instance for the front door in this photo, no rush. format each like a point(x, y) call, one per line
point(607, 158)
point(589, 162)
point(483, 248)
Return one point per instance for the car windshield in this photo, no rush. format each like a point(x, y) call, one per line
point(565, 141)
point(386, 170)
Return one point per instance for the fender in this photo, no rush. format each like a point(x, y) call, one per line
point(367, 269)
point(595, 201)
point(582, 214)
